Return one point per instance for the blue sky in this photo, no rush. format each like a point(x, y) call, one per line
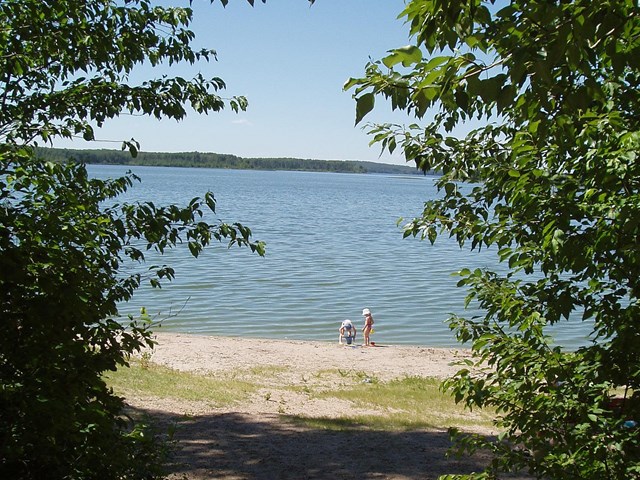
point(290, 60)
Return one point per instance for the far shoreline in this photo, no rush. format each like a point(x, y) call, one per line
point(224, 161)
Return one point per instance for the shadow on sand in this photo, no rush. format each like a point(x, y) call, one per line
point(242, 446)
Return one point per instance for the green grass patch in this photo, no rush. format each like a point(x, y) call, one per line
point(402, 404)
point(159, 381)
point(407, 403)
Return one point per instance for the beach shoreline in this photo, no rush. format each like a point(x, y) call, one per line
point(206, 353)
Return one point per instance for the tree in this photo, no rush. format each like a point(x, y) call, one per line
point(68, 251)
point(540, 102)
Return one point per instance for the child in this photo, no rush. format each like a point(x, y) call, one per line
point(368, 325)
point(347, 331)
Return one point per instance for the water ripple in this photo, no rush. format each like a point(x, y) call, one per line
point(333, 247)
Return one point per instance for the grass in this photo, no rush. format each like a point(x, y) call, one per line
point(148, 379)
point(407, 403)
point(401, 404)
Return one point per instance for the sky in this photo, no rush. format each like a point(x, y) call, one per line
point(291, 61)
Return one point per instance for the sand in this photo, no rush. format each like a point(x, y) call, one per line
point(258, 438)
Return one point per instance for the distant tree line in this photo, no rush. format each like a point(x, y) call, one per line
point(218, 160)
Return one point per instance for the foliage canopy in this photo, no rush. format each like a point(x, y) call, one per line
point(540, 101)
point(68, 250)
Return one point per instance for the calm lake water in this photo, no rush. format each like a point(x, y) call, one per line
point(333, 248)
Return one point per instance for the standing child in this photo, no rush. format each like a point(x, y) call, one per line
point(368, 325)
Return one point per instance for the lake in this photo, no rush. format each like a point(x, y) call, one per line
point(334, 247)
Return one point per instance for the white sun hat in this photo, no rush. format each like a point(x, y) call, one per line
point(366, 311)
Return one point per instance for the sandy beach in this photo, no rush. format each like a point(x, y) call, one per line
point(211, 354)
point(258, 438)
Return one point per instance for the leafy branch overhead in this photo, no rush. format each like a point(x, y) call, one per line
point(78, 71)
point(536, 106)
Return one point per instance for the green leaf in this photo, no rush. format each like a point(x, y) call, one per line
point(408, 56)
point(364, 104)
point(351, 82)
